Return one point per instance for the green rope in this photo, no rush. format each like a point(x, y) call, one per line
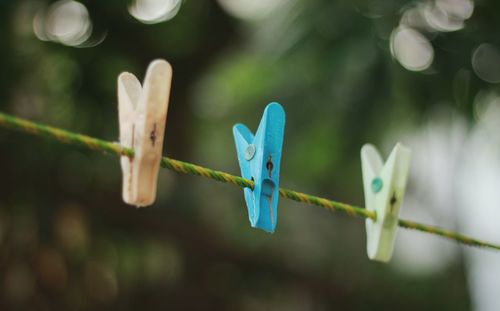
point(88, 142)
point(189, 168)
point(63, 136)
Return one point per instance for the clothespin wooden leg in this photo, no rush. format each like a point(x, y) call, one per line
point(142, 116)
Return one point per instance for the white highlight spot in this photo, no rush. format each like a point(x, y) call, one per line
point(250, 9)
point(486, 62)
point(66, 22)
point(154, 11)
point(412, 50)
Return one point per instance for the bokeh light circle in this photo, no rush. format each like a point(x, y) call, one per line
point(412, 50)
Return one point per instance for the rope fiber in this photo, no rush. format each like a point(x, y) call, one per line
point(70, 138)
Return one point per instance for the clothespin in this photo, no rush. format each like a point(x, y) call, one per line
point(259, 158)
point(142, 115)
point(384, 186)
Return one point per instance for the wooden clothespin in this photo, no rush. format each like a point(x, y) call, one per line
point(259, 157)
point(384, 186)
point(142, 115)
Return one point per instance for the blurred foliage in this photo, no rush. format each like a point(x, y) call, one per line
point(68, 242)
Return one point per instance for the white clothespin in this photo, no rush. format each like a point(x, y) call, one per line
point(142, 115)
point(384, 186)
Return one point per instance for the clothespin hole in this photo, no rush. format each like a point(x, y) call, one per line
point(253, 180)
point(393, 202)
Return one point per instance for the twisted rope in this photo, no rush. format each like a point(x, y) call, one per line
point(189, 168)
point(66, 137)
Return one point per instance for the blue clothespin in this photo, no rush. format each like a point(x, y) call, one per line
point(259, 157)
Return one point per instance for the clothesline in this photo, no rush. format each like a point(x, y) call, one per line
point(76, 139)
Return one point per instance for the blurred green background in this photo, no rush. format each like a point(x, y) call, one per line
point(346, 72)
